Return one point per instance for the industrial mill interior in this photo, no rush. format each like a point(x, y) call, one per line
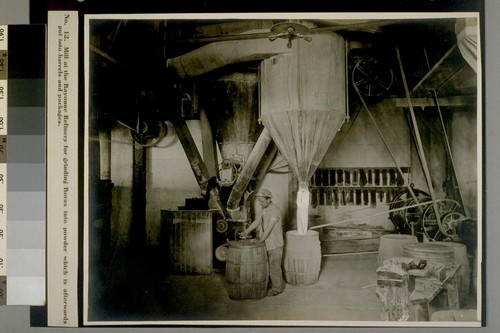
point(366, 131)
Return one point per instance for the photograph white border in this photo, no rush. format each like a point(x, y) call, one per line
point(338, 16)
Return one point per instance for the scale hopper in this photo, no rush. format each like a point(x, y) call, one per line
point(231, 103)
point(303, 105)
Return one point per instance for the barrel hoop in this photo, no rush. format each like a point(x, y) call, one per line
point(304, 273)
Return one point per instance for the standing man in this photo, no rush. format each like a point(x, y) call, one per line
point(271, 233)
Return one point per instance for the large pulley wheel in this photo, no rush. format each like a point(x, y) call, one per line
point(450, 222)
point(446, 227)
point(404, 217)
point(149, 134)
point(221, 226)
point(371, 78)
point(221, 252)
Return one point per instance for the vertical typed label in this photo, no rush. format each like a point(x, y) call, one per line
point(3, 164)
point(62, 169)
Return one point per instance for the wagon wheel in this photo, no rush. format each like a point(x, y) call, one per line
point(371, 78)
point(403, 218)
point(446, 228)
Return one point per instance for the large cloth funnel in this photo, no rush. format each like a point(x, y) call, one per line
point(303, 105)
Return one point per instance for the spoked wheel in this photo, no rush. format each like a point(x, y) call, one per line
point(450, 223)
point(447, 227)
point(371, 78)
point(413, 216)
point(403, 218)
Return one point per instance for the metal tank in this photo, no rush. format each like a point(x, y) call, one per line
point(231, 103)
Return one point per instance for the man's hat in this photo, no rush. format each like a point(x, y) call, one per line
point(264, 193)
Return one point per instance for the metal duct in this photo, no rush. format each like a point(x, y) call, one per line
point(218, 54)
point(214, 56)
point(248, 170)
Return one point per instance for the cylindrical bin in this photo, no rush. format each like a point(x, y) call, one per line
point(435, 254)
point(463, 273)
point(188, 234)
point(302, 257)
point(392, 246)
point(247, 270)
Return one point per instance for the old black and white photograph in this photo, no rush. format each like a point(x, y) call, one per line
point(270, 169)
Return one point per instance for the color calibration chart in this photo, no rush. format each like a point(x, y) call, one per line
point(22, 164)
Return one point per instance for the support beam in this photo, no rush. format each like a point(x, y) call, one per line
point(420, 148)
point(441, 71)
point(138, 225)
point(451, 76)
point(430, 102)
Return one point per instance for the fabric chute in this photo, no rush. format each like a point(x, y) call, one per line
point(303, 107)
point(466, 30)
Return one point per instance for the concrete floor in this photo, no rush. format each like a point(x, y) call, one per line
point(140, 288)
point(344, 291)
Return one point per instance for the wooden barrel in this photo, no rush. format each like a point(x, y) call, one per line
point(189, 237)
point(463, 273)
point(302, 257)
point(435, 254)
point(392, 246)
point(247, 270)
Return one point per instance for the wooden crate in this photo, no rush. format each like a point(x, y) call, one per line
point(349, 240)
point(350, 245)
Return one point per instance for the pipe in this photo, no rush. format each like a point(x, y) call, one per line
point(266, 162)
point(218, 54)
point(197, 165)
point(208, 145)
point(248, 170)
point(448, 150)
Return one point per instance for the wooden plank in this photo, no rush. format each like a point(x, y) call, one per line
point(451, 74)
point(429, 102)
